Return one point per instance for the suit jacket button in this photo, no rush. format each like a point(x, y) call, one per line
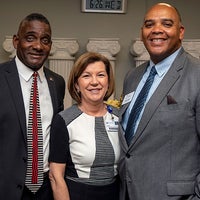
point(19, 186)
point(128, 155)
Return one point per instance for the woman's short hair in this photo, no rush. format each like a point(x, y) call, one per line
point(80, 65)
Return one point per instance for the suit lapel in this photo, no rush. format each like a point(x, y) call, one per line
point(133, 81)
point(13, 81)
point(52, 89)
point(163, 89)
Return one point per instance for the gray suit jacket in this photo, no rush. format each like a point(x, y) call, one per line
point(163, 160)
point(13, 146)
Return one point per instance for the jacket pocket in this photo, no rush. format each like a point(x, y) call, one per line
point(180, 187)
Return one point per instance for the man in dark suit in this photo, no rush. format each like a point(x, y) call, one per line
point(32, 43)
point(161, 161)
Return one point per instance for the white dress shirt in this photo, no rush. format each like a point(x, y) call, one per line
point(46, 108)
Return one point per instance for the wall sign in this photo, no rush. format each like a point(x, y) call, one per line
point(104, 6)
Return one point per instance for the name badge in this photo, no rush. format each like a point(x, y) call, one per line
point(112, 126)
point(128, 98)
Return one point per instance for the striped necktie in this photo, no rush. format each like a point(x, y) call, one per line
point(34, 175)
point(138, 106)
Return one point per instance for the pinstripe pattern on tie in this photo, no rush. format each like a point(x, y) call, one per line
point(34, 175)
point(138, 106)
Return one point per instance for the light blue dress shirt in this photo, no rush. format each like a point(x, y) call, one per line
point(161, 68)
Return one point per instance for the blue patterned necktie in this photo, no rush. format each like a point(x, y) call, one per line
point(138, 106)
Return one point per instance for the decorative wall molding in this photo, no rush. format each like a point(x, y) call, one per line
point(61, 58)
point(64, 48)
point(8, 46)
point(109, 47)
point(141, 55)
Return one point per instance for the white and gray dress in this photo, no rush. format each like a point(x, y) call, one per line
point(90, 148)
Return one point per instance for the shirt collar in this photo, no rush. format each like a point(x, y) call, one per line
point(26, 72)
point(163, 66)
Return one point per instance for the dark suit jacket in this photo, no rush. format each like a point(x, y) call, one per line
point(163, 160)
point(13, 146)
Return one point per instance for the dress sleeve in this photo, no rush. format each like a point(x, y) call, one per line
point(59, 140)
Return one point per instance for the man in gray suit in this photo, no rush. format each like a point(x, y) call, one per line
point(162, 159)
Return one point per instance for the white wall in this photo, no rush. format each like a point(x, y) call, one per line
point(68, 21)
